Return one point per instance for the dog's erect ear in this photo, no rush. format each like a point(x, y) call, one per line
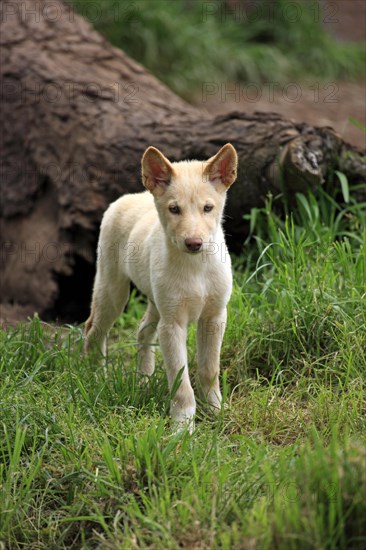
point(222, 168)
point(157, 171)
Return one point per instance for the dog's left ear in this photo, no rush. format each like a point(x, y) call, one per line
point(222, 168)
point(157, 171)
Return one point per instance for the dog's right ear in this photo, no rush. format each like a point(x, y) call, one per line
point(157, 171)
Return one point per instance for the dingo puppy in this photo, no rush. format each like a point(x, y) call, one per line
point(170, 243)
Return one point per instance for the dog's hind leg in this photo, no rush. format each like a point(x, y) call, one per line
point(146, 338)
point(109, 301)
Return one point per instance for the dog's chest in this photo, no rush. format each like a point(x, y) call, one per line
point(187, 294)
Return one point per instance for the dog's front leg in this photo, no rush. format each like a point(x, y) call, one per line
point(172, 338)
point(210, 332)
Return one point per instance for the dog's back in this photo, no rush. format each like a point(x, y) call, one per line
point(123, 215)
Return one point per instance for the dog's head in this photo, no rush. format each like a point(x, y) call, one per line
point(190, 195)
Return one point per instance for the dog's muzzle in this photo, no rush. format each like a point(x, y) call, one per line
point(193, 245)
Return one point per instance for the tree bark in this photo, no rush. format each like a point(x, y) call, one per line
point(77, 115)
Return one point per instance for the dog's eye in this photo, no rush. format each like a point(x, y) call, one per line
point(174, 209)
point(207, 208)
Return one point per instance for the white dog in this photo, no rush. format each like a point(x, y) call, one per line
point(169, 242)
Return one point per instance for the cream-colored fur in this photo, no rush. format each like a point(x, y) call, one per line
point(171, 245)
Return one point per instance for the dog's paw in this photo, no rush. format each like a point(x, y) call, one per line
point(182, 418)
point(183, 426)
point(214, 401)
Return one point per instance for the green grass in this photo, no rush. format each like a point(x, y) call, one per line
point(186, 43)
point(87, 455)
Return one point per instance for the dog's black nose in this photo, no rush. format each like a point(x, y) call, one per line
point(193, 245)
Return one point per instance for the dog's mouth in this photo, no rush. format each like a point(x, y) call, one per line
point(194, 252)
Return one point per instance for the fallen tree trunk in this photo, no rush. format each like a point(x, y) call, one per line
point(77, 115)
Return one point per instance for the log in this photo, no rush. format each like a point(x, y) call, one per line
point(76, 117)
